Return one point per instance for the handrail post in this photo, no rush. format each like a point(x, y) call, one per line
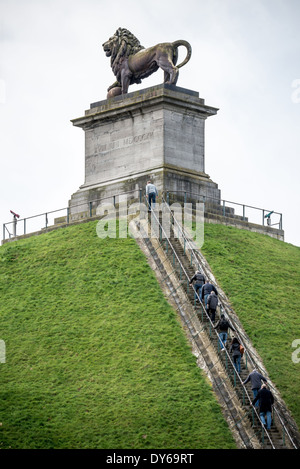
point(68, 215)
point(24, 226)
point(91, 208)
point(244, 212)
point(3, 231)
point(46, 220)
point(140, 195)
point(263, 217)
point(280, 223)
point(223, 208)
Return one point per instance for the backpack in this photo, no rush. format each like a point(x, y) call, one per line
point(223, 325)
point(200, 279)
point(242, 350)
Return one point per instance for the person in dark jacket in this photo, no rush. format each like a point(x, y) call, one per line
point(206, 290)
point(236, 354)
point(266, 400)
point(223, 325)
point(212, 303)
point(199, 282)
point(255, 378)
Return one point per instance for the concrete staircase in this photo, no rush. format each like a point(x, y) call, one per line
point(173, 265)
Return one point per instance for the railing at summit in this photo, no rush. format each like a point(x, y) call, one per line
point(44, 220)
point(89, 209)
point(226, 208)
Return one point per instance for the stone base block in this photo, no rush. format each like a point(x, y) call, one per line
point(85, 201)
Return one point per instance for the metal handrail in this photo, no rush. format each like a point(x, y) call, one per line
point(204, 198)
point(223, 201)
point(254, 364)
point(187, 240)
point(89, 204)
point(228, 356)
point(190, 329)
point(5, 228)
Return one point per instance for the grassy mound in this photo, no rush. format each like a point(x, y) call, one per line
point(95, 356)
point(261, 275)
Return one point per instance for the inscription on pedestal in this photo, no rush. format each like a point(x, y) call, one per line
point(123, 143)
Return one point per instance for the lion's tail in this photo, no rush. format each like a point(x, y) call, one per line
point(188, 47)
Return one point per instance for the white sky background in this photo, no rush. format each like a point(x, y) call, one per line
point(245, 61)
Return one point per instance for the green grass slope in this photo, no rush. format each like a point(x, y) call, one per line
point(95, 356)
point(261, 277)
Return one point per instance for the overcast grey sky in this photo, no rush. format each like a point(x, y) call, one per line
point(245, 61)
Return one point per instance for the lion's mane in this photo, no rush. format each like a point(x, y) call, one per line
point(126, 44)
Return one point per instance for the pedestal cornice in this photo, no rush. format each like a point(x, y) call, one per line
point(167, 96)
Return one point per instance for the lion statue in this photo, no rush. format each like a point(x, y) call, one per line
point(130, 61)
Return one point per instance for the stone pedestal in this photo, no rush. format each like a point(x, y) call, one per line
point(155, 133)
